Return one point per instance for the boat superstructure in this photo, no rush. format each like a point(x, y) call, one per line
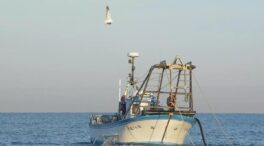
point(157, 110)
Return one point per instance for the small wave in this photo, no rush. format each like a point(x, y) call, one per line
point(83, 144)
point(32, 143)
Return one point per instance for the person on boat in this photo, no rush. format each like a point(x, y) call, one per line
point(154, 100)
point(171, 101)
point(123, 105)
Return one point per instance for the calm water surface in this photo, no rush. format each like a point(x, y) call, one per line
point(72, 129)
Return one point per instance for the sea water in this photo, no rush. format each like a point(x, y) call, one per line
point(73, 129)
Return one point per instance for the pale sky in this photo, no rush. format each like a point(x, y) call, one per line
point(58, 56)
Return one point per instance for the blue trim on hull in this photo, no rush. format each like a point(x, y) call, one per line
point(100, 142)
point(147, 144)
point(142, 118)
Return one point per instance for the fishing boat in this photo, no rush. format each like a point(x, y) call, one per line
point(156, 110)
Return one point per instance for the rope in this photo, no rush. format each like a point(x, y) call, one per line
point(201, 130)
point(213, 113)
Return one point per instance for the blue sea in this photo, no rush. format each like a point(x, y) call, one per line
point(48, 129)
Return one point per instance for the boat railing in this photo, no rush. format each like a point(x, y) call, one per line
point(165, 110)
point(157, 108)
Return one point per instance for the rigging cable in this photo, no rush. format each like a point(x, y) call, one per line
point(154, 129)
point(213, 113)
point(165, 131)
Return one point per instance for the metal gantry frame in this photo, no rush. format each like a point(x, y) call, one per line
point(182, 70)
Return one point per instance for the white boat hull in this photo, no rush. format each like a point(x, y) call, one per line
point(149, 129)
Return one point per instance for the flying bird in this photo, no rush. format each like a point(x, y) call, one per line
point(108, 18)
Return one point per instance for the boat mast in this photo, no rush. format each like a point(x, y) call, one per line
point(132, 56)
point(130, 81)
point(119, 90)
